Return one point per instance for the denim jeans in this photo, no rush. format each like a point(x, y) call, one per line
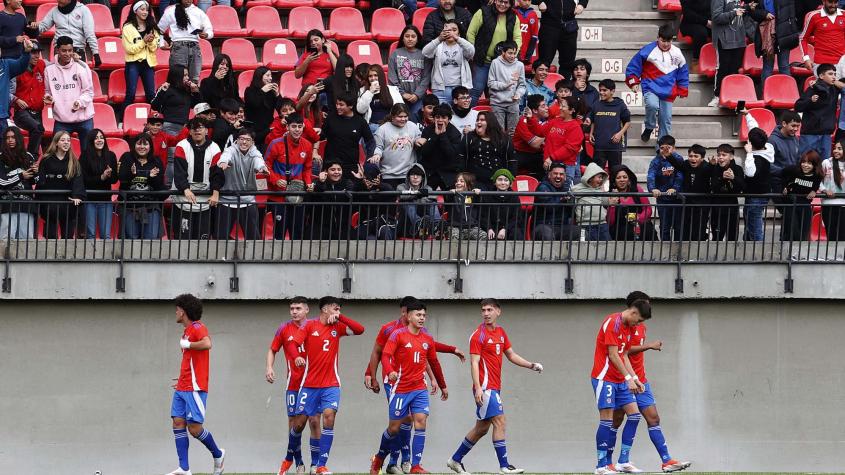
point(670, 218)
point(445, 95)
point(187, 53)
point(769, 64)
point(98, 213)
point(138, 226)
point(596, 232)
point(658, 114)
point(81, 128)
point(479, 82)
point(134, 71)
point(17, 226)
point(573, 174)
point(754, 209)
point(410, 218)
point(819, 143)
point(204, 5)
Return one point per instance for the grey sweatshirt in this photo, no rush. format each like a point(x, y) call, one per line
point(409, 71)
point(590, 210)
point(499, 81)
point(78, 25)
point(396, 147)
point(240, 176)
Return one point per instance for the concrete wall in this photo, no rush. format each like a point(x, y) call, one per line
point(742, 386)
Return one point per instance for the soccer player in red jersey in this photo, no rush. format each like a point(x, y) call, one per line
point(188, 407)
point(298, 317)
point(320, 390)
point(614, 381)
point(375, 357)
point(408, 352)
point(486, 346)
point(645, 403)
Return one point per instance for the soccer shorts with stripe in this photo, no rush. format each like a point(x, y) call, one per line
point(189, 405)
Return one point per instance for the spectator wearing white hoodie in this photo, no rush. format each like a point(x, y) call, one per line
point(70, 90)
point(506, 83)
point(395, 142)
point(757, 168)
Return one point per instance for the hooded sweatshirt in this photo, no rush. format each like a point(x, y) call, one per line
point(758, 170)
point(77, 23)
point(395, 145)
point(501, 85)
point(409, 193)
point(240, 176)
point(818, 118)
point(662, 174)
point(590, 210)
point(68, 84)
point(786, 151)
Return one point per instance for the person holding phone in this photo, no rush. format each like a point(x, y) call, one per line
point(318, 60)
point(260, 100)
point(188, 25)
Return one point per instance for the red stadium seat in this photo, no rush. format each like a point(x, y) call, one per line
point(76, 146)
point(135, 118)
point(111, 52)
point(98, 88)
point(707, 60)
point(795, 56)
point(104, 119)
point(160, 76)
point(780, 91)
point(551, 79)
point(684, 39)
point(244, 79)
point(162, 59)
point(204, 73)
point(810, 81)
point(420, 15)
point(289, 85)
point(225, 21)
point(48, 121)
point(117, 87)
point(41, 12)
point(669, 5)
point(303, 19)
point(392, 48)
point(524, 184)
point(293, 3)
point(765, 120)
point(482, 108)
point(242, 52)
point(387, 24)
point(751, 64)
point(335, 3)
point(279, 54)
point(347, 24)
point(363, 51)
point(207, 54)
point(264, 22)
point(103, 23)
point(117, 145)
point(817, 229)
point(32, 3)
point(124, 14)
point(738, 87)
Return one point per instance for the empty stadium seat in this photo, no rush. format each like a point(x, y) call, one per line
point(524, 184)
point(738, 87)
point(292, 3)
point(242, 52)
point(707, 60)
point(347, 24)
point(124, 14)
point(279, 54)
point(669, 5)
point(335, 3)
point(32, 3)
point(104, 119)
point(98, 88)
point(204, 73)
point(117, 145)
point(111, 52)
point(387, 24)
point(41, 12)
point(289, 85)
point(809, 82)
point(244, 79)
point(103, 23)
point(817, 229)
point(162, 59)
point(751, 64)
point(264, 22)
point(160, 77)
point(420, 15)
point(765, 120)
point(780, 91)
point(364, 51)
point(207, 53)
point(135, 118)
point(117, 87)
point(551, 79)
point(303, 19)
point(225, 21)
point(392, 48)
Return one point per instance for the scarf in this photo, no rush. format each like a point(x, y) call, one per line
point(67, 8)
point(459, 111)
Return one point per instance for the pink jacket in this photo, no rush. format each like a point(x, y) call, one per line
point(67, 84)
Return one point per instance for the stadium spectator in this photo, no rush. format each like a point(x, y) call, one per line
point(187, 25)
point(408, 70)
point(785, 141)
point(530, 28)
point(800, 184)
point(697, 173)
point(228, 122)
point(537, 84)
point(590, 212)
point(490, 25)
point(563, 137)
point(140, 171)
point(664, 182)
point(825, 30)
point(464, 214)
point(506, 84)
point(563, 89)
point(528, 147)
point(436, 20)
point(630, 218)
point(696, 23)
point(559, 32)
point(376, 220)
point(776, 34)
point(729, 32)
point(192, 164)
point(362, 70)
point(99, 172)
point(553, 211)
point(73, 20)
point(610, 120)
point(759, 155)
point(260, 100)
point(463, 115)
point(27, 98)
point(13, 30)
point(727, 179)
point(312, 112)
point(18, 169)
point(585, 92)
point(343, 132)
point(162, 143)
point(485, 150)
point(174, 99)
point(59, 171)
point(818, 104)
point(418, 213)
point(289, 163)
point(377, 98)
point(221, 83)
point(317, 61)
point(450, 55)
point(501, 214)
point(342, 81)
point(239, 164)
point(440, 148)
point(330, 213)
point(140, 42)
point(9, 69)
point(71, 93)
point(833, 207)
point(396, 140)
point(426, 114)
point(284, 108)
point(660, 71)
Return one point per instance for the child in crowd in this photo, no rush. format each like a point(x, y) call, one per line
point(727, 178)
point(590, 211)
point(609, 123)
point(506, 83)
point(697, 172)
point(818, 104)
point(664, 181)
point(833, 208)
point(759, 156)
point(800, 183)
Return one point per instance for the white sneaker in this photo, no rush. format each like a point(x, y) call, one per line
point(713, 102)
point(510, 469)
point(313, 470)
point(406, 467)
point(218, 463)
point(393, 470)
point(300, 469)
point(457, 467)
point(179, 471)
point(605, 470)
point(674, 466)
point(627, 468)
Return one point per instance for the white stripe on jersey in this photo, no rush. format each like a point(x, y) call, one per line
point(336, 375)
point(194, 384)
point(599, 387)
point(304, 375)
point(607, 358)
point(486, 373)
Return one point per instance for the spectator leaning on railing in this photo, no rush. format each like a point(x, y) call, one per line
point(239, 164)
point(330, 213)
point(664, 182)
point(192, 164)
point(140, 171)
point(18, 169)
point(727, 179)
point(697, 173)
point(630, 218)
point(59, 170)
point(502, 214)
point(553, 211)
point(99, 171)
point(464, 212)
point(800, 184)
point(833, 207)
point(376, 219)
point(289, 161)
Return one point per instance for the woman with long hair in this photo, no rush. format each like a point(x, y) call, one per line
point(310, 108)
point(139, 170)
point(464, 216)
point(260, 100)
point(396, 139)
point(629, 220)
point(174, 99)
point(187, 25)
point(99, 172)
point(564, 137)
point(486, 149)
point(408, 70)
point(377, 98)
point(17, 173)
point(140, 35)
point(221, 83)
point(59, 170)
point(343, 82)
point(490, 25)
point(317, 61)
point(833, 208)
point(800, 184)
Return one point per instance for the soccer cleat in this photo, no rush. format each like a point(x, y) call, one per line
point(300, 469)
point(322, 471)
point(510, 469)
point(457, 467)
point(375, 464)
point(418, 469)
point(406, 467)
point(313, 470)
point(286, 464)
point(179, 471)
point(675, 466)
point(608, 470)
point(218, 463)
point(393, 469)
point(627, 467)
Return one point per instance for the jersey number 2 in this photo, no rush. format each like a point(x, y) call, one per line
point(325, 345)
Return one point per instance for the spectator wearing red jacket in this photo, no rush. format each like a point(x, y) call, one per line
point(28, 100)
point(527, 146)
point(161, 143)
point(279, 127)
point(564, 137)
point(289, 163)
point(825, 30)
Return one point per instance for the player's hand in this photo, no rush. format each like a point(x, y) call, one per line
point(460, 354)
point(656, 345)
point(333, 319)
point(270, 375)
point(444, 394)
point(299, 361)
point(640, 387)
point(537, 367)
point(371, 384)
point(185, 344)
point(479, 396)
point(632, 385)
point(392, 377)
point(434, 388)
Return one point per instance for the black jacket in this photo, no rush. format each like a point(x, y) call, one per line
point(175, 104)
point(695, 12)
point(483, 157)
point(12, 181)
point(92, 172)
point(489, 18)
point(819, 117)
point(463, 210)
point(258, 109)
point(720, 185)
point(502, 212)
point(440, 152)
point(141, 179)
point(795, 182)
point(558, 11)
point(213, 90)
point(330, 221)
point(787, 25)
point(435, 20)
point(696, 179)
point(52, 175)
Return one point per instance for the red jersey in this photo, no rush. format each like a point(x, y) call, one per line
point(828, 36)
point(384, 335)
point(322, 343)
point(612, 332)
point(283, 334)
point(320, 68)
point(563, 138)
point(277, 129)
point(285, 154)
point(30, 87)
point(529, 25)
point(161, 141)
point(193, 375)
point(522, 136)
point(638, 359)
point(407, 354)
point(490, 345)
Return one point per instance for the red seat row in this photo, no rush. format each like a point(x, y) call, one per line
point(779, 92)
point(751, 64)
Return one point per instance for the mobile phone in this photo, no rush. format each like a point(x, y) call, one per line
point(197, 31)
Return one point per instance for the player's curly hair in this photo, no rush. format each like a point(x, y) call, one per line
point(191, 305)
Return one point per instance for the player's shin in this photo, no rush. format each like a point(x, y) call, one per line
point(326, 439)
point(501, 452)
point(611, 444)
point(314, 445)
point(602, 442)
point(418, 447)
point(388, 444)
point(463, 449)
point(180, 436)
point(405, 441)
point(294, 446)
point(207, 440)
point(655, 433)
point(628, 434)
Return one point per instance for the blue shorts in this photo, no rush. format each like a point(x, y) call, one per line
point(491, 405)
point(645, 398)
point(313, 401)
point(388, 391)
point(189, 405)
point(611, 395)
point(290, 401)
point(402, 404)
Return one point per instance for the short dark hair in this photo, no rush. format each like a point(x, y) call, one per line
point(506, 45)
point(824, 67)
point(534, 101)
point(63, 40)
point(328, 300)
point(666, 32)
point(636, 295)
point(608, 84)
point(726, 148)
point(540, 62)
point(666, 140)
point(416, 305)
point(196, 123)
point(458, 91)
point(299, 299)
point(557, 165)
point(757, 138)
point(404, 301)
point(583, 62)
point(564, 84)
point(698, 150)
point(189, 304)
point(643, 307)
point(430, 100)
point(285, 101)
point(346, 98)
point(230, 105)
point(245, 131)
point(295, 118)
point(790, 116)
point(442, 110)
point(490, 301)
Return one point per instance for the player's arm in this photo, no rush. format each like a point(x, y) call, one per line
point(621, 366)
point(474, 360)
point(269, 374)
point(387, 359)
point(514, 358)
point(640, 387)
point(444, 348)
point(656, 345)
point(434, 363)
point(352, 327)
point(291, 346)
point(372, 368)
point(202, 344)
point(430, 375)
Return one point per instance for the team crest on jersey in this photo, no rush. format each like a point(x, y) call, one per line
point(334, 334)
point(531, 21)
point(502, 338)
point(302, 154)
point(425, 346)
point(396, 413)
point(608, 400)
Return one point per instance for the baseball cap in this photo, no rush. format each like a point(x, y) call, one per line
point(155, 117)
point(202, 108)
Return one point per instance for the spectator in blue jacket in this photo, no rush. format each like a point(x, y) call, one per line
point(553, 213)
point(664, 181)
